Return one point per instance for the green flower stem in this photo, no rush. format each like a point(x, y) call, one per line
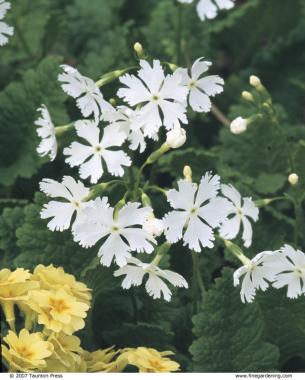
point(151, 159)
point(59, 131)
point(267, 201)
point(118, 206)
point(197, 279)
point(112, 75)
point(299, 221)
point(161, 251)
point(98, 189)
point(236, 251)
point(157, 189)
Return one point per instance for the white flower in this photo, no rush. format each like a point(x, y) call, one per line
point(201, 88)
point(255, 275)
point(185, 1)
point(155, 286)
point(176, 138)
point(62, 212)
point(48, 144)
point(5, 30)
point(198, 209)
point(125, 118)
point(90, 157)
point(293, 179)
point(290, 267)
point(156, 92)
point(89, 98)
point(238, 214)
point(207, 9)
point(154, 227)
point(123, 234)
point(239, 125)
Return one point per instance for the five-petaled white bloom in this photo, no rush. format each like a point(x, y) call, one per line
point(89, 98)
point(62, 212)
point(255, 275)
point(238, 214)
point(123, 232)
point(90, 157)
point(5, 30)
point(155, 286)
point(289, 265)
point(207, 9)
point(124, 118)
point(201, 88)
point(198, 209)
point(158, 94)
point(46, 131)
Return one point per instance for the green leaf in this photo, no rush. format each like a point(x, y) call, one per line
point(269, 183)
point(229, 334)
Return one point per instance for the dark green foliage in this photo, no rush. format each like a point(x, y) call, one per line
point(230, 335)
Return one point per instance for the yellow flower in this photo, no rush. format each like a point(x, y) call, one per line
point(102, 361)
point(26, 352)
point(52, 278)
point(58, 310)
point(14, 289)
point(151, 360)
point(66, 356)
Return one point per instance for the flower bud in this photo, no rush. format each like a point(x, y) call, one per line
point(238, 125)
point(176, 138)
point(247, 96)
point(154, 227)
point(187, 172)
point(138, 48)
point(293, 179)
point(255, 81)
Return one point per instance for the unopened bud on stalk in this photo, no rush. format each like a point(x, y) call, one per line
point(239, 125)
point(293, 179)
point(187, 172)
point(247, 96)
point(138, 48)
point(255, 81)
point(112, 101)
point(176, 138)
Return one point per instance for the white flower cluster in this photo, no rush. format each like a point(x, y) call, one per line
point(285, 267)
point(5, 30)
point(153, 100)
point(208, 9)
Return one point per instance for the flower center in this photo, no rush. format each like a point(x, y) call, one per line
point(24, 352)
point(155, 98)
point(156, 364)
point(76, 204)
point(97, 149)
point(58, 304)
point(298, 272)
point(193, 211)
point(115, 229)
point(192, 83)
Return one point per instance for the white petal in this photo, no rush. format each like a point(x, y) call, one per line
point(184, 197)
point(206, 9)
point(88, 130)
point(208, 188)
point(92, 168)
point(135, 92)
point(211, 85)
point(77, 189)
point(138, 239)
point(114, 247)
point(155, 287)
point(199, 67)
point(54, 189)
point(152, 76)
point(88, 234)
point(173, 114)
point(225, 4)
point(215, 212)
point(134, 275)
point(5, 30)
point(173, 89)
point(247, 232)
point(230, 192)
point(78, 153)
point(115, 161)
point(174, 278)
point(230, 228)
point(112, 136)
point(199, 101)
point(197, 232)
point(61, 214)
point(174, 222)
point(133, 214)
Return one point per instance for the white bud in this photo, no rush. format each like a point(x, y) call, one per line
point(247, 96)
point(293, 179)
point(255, 81)
point(187, 172)
point(153, 227)
point(238, 125)
point(176, 138)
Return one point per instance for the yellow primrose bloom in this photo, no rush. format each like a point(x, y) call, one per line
point(26, 352)
point(67, 352)
point(52, 278)
point(14, 289)
point(58, 310)
point(151, 360)
point(102, 361)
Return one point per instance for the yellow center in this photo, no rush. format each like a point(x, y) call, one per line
point(98, 149)
point(58, 304)
point(155, 98)
point(156, 364)
point(192, 83)
point(24, 352)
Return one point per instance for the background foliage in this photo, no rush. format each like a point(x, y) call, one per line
point(216, 332)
